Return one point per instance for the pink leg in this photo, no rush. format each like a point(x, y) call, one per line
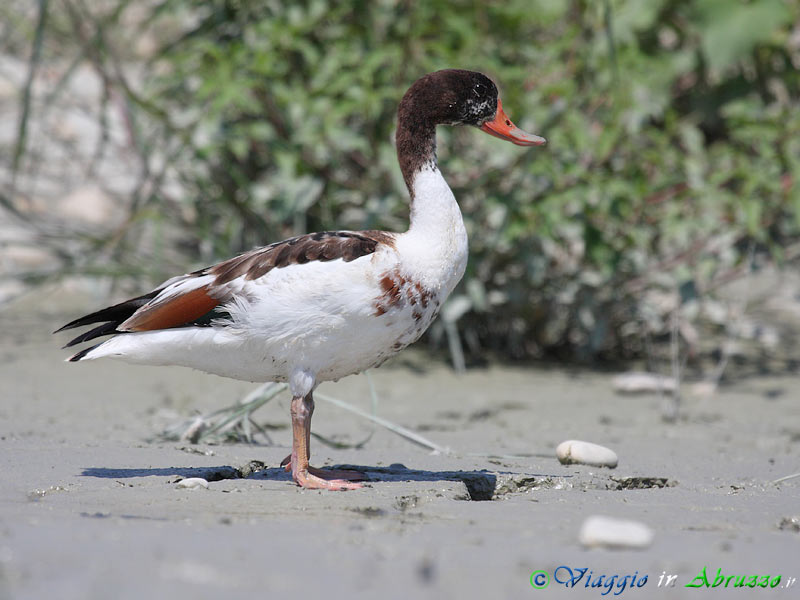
point(303, 475)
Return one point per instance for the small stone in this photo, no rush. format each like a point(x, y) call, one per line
point(586, 453)
point(790, 524)
point(638, 382)
point(192, 483)
point(608, 532)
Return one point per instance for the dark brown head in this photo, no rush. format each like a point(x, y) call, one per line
point(459, 97)
point(450, 97)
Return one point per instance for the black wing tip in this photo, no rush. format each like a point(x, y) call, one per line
point(107, 314)
point(87, 320)
point(72, 342)
point(118, 312)
point(70, 325)
point(99, 331)
point(79, 355)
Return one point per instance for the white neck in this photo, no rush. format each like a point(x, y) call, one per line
point(435, 246)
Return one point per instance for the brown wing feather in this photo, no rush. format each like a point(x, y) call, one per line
point(180, 310)
point(323, 246)
point(186, 309)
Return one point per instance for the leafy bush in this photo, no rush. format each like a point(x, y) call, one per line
point(673, 155)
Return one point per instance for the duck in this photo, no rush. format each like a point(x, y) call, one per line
point(320, 306)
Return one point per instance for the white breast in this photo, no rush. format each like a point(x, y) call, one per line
point(434, 249)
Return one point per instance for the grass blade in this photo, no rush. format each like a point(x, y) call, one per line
point(386, 424)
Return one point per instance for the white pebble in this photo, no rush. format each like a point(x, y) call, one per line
point(192, 483)
point(637, 382)
point(614, 533)
point(585, 453)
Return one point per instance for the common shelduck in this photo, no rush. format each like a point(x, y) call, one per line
point(320, 306)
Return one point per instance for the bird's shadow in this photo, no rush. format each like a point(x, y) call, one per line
point(481, 484)
point(207, 473)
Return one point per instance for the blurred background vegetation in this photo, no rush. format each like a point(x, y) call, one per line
point(671, 169)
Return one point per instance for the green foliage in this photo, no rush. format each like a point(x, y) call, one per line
point(673, 130)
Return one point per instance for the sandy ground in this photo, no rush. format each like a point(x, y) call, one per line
point(89, 508)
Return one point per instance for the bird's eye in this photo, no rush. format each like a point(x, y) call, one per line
point(479, 89)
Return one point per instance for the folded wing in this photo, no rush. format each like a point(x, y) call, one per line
point(197, 299)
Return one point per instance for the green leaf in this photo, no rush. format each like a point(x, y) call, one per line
point(731, 29)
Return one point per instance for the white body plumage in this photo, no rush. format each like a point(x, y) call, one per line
point(320, 321)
